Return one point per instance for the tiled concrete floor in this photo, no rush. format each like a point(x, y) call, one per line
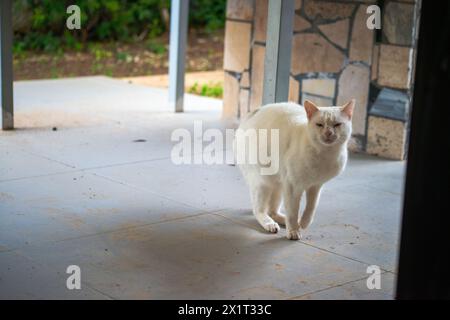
point(141, 227)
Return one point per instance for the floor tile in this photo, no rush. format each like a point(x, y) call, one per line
point(377, 173)
point(22, 278)
point(357, 222)
point(208, 187)
point(103, 145)
point(356, 290)
point(202, 257)
point(70, 205)
point(17, 164)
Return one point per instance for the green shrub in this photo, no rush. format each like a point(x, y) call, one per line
point(214, 90)
point(209, 14)
point(41, 24)
point(156, 47)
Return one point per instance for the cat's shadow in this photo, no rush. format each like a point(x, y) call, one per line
point(247, 218)
point(196, 250)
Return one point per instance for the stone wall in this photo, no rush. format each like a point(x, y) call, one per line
point(393, 73)
point(335, 57)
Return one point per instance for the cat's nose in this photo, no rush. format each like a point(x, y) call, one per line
point(328, 133)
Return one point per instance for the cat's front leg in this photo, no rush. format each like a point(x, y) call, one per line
point(291, 197)
point(312, 199)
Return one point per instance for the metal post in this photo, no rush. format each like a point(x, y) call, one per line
point(277, 63)
point(178, 38)
point(6, 65)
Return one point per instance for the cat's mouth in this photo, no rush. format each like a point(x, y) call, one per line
point(329, 141)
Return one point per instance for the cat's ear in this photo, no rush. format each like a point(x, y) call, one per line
point(347, 109)
point(310, 108)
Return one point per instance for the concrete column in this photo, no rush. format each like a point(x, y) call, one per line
point(277, 63)
point(177, 52)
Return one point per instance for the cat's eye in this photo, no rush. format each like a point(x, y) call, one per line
point(320, 125)
point(337, 125)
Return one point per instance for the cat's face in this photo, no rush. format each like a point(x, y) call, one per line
point(329, 126)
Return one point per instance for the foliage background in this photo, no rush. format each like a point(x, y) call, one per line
point(40, 25)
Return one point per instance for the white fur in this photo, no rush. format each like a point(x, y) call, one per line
point(306, 161)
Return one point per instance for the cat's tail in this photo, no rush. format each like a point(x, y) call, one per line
point(248, 116)
point(251, 114)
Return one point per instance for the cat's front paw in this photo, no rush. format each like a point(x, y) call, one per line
point(294, 235)
point(272, 227)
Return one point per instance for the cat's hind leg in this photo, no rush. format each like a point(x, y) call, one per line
point(260, 198)
point(274, 206)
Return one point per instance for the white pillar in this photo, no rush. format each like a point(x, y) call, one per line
point(177, 52)
point(277, 62)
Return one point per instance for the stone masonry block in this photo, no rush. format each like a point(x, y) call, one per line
point(237, 46)
point(386, 138)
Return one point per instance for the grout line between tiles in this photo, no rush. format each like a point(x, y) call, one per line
point(132, 186)
point(302, 242)
point(90, 286)
point(48, 159)
point(85, 169)
point(134, 227)
point(328, 288)
point(340, 255)
point(23, 255)
point(37, 244)
point(39, 176)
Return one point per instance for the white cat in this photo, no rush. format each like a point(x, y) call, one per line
point(312, 150)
